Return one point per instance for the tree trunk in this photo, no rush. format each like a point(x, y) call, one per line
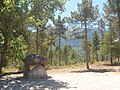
point(102, 58)
point(89, 57)
point(37, 41)
point(0, 64)
point(93, 56)
point(111, 58)
point(118, 10)
point(119, 36)
point(86, 45)
point(51, 57)
point(41, 43)
point(3, 53)
point(59, 45)
point(96, 56)
point(111, 61)
point(3, 59)
point(106, 57)
point(102, 50)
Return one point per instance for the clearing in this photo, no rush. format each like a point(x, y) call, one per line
point(101, 77)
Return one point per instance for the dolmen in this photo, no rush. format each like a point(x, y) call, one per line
point(38, 63)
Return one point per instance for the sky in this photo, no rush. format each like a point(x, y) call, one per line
point(72, 6)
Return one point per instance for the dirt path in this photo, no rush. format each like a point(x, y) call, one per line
point(67, 79)
point(89, 81)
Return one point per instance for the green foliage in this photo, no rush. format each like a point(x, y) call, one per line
point(68, 56)
point(72, 57)
point(112, 16)
point(11, 26)
point(106, 43)
point(112, 9)
point(17, 17)
point(95, 44)
point(85, 15)
point(95, 41)
point(101, 27)
point(23, 29)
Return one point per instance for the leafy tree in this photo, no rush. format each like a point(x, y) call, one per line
point(42, 11)
point(12, 24)
point(16, 51)
point(18, 16)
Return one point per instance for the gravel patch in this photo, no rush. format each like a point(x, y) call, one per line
point(90, 81)
point(65, 80)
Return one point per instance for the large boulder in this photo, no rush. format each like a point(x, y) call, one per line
point(26, 70)
point(37, 72)
point(33, 59)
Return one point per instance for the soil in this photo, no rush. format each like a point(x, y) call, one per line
point(99, 77)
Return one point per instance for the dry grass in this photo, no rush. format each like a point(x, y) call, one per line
point(5, 70)
point(81, 66)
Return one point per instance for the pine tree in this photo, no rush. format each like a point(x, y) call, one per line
point(95, 43)
point(52, 38)
point(59, 23)
point(112, 9)
point(66, 54)
point(85, 15)
point(73, 58)
point(106, 44)
point(101, 29)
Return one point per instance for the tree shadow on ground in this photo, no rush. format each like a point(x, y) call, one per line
point(24, 84)
point(94, 70)
point(9, 73)
point(113, 64)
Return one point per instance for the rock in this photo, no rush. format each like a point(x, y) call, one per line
point(26, 70)
point(37, 72)
point(33, 59)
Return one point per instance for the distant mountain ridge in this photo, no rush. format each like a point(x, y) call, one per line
point(76, 43)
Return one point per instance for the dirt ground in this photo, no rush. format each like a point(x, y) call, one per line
point(100, 77)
